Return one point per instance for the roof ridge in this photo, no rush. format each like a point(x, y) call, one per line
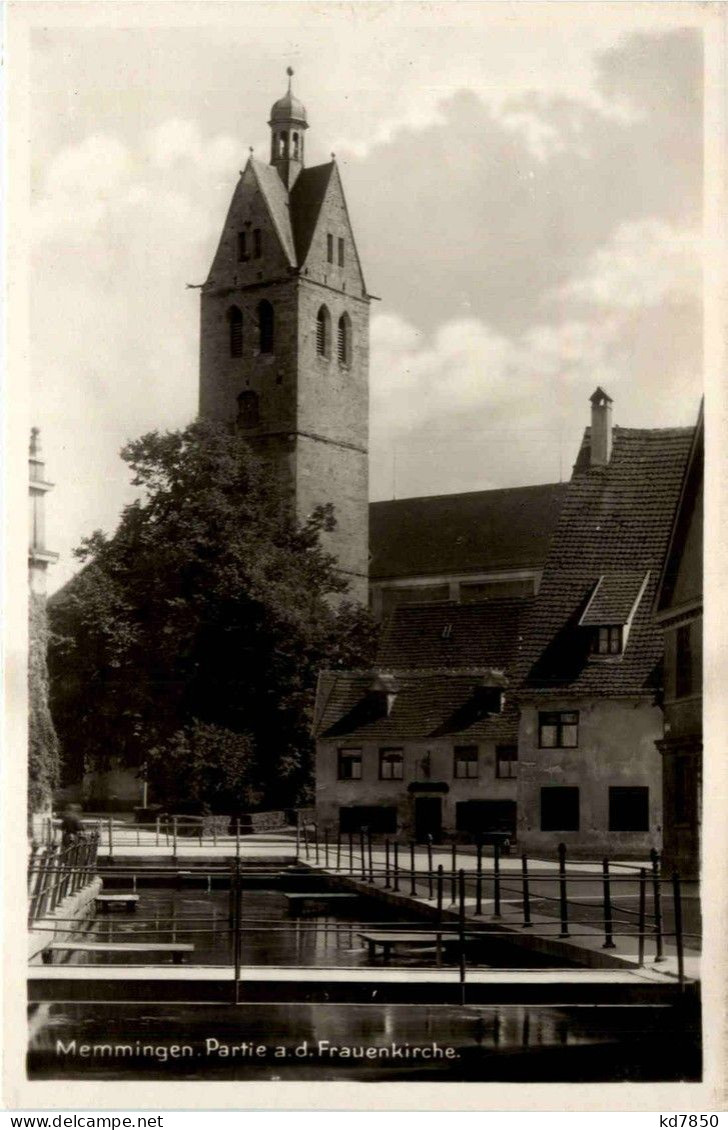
point(467, 493)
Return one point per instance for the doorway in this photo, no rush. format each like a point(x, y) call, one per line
point(428, 818)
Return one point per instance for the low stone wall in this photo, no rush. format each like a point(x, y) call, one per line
point(65, 919)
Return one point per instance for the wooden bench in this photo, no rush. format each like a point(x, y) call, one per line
point(104, 902)
point(388, 940)
point(177, 949)
point(298, 899)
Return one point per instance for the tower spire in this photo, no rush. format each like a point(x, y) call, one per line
point(287, 123)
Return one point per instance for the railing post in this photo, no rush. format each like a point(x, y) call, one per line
point(156, 843)
point(386, 862)
point(316, 842)
point(413, 883)
point(526, 892)
point(657, 902)
point(396, 866)
point(496, 880)
point(440, 879)
point(642, 917)
point(238, 930)
point(454, 873)
point(608, 923)
point(363, 855)
point(461, 926)
point(111, 838)
point(338, 849)
point(677, 910)
point(326, 848)
point(429, 866)
point(231, 899)
point(369, 853)
point(174, 838)
point(305, 837)
point(351, 854)
point(563, 904)
point(479, 877)
point(298, 836)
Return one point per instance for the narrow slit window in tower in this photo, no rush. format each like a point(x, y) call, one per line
point(257, 243)
point(330, 247)
point(265, 323)
point(341, 252)
point(242, 246)
point(235, 321)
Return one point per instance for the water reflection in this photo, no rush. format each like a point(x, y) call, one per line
point(271, 933)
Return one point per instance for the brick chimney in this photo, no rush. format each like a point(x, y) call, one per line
point(601, 428)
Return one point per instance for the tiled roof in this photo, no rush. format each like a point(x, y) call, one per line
point(479, 531)
point(614, 519)
point(428, 704)
point(307, 196)
point(447, 634)
point(614, 597)
point(276, 196)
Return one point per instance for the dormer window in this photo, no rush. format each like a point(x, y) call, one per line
point(607, 640)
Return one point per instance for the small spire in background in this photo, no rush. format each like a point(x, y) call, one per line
point(35, 442)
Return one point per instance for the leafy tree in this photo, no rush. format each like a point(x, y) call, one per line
point(209, 606)
point(43, 749)
point(205, 765)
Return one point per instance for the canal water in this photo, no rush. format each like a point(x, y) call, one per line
point(330, 1042)
point(301, 1041)
point(272, 933)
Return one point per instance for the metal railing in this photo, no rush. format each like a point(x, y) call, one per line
point(167, 832)
point(55, 872)
point(345, 856)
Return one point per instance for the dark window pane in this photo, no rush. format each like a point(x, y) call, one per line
point(330, 247)
point(341, 252)
point(265, 326)
point(380, 819)
point(559, 809)
point(629, 809)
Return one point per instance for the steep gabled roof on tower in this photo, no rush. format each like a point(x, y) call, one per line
point(275, 195)
point(307, 197)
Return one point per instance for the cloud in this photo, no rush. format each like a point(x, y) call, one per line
point(645, 263)
point(469, 405)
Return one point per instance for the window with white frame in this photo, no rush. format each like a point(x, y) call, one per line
point(349, 764)
point(466, 761)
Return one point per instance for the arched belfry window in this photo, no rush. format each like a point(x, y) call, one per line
point(323, 332)
point(235, 322)
point(265, 326)
point(344, 340)
point(295, 146)
point(283, 144)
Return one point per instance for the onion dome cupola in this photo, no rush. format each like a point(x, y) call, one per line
point(288, 124)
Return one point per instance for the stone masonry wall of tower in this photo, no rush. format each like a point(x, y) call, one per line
point(303, 407)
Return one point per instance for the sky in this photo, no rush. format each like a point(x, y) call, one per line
point(526, 195)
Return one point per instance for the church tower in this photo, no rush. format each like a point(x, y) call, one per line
point(284, 345)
